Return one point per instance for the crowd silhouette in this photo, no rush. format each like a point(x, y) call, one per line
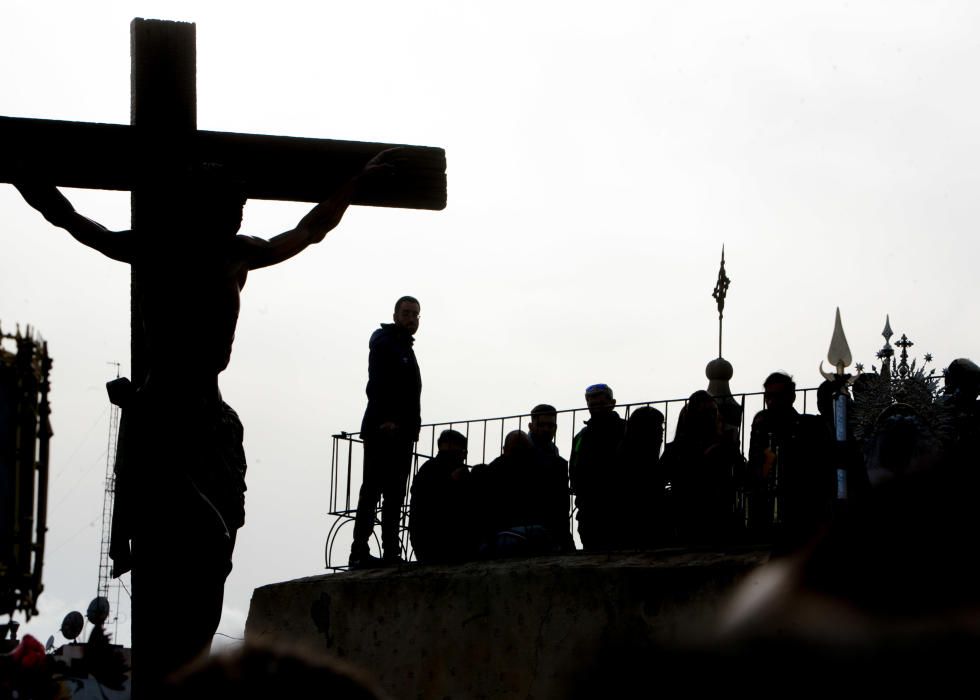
point(800, 473)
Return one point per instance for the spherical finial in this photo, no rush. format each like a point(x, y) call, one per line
point(719, 369)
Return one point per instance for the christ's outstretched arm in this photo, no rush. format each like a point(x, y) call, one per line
point(53, 205)
point(322, 219)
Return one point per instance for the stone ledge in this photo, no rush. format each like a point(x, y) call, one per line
point(503, 628)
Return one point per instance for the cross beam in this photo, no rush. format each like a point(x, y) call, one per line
point(111, 157)
point(164, 139)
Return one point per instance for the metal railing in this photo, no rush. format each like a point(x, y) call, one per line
point(485, 437)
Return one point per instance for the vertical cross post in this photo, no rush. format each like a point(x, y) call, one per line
point(164, 114)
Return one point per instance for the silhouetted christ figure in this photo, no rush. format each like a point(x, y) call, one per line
point(193, 268)
point(180, 478)
point(180, 471)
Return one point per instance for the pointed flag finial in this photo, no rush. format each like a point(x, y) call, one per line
point(839, 354)
point(719, 293)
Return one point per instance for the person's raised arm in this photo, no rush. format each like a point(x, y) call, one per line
point(53, 205)
point(322, 219)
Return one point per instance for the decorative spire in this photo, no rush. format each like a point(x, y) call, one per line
point(839, 354)
point(719, 371)
point(887, 352)
point(720, 292)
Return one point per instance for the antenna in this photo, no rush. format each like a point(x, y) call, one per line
point(107, 584)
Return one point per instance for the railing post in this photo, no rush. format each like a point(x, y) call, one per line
point(350, 450)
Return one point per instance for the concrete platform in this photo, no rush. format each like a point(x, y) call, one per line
point(519, 628)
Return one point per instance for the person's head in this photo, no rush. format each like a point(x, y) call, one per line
point(599, 398)
point(645, 426)
point(216, 201)
point(544, 422)
point(962, 380)
point(452, 445)
point(701, 417)
point(780, 391)
point(516, 442)
point(825, 398)
point(406, 314)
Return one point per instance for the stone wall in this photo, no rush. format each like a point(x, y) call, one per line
point(525, 628)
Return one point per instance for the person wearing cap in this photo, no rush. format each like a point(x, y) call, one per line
point(595, 472)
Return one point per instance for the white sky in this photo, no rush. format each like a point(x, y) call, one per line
point(599, 155)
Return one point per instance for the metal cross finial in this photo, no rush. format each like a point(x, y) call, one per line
point(720, 292)
point(905, 344)
point(903, 365)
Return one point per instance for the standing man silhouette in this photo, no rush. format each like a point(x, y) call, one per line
point(389, 429)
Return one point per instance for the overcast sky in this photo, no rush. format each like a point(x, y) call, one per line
point(599, 155)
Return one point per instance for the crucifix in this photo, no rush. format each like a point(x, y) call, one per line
point(163, 144)
point(180, 491)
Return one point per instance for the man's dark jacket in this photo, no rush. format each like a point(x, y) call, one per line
point(443, 523)
point(394, 387)
point(595, 472)
point(525, 489)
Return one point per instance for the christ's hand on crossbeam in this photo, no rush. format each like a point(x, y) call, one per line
point(323, 218)
point(56, 208)
point(384, 164)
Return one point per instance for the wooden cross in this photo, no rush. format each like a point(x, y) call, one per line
point(163, 143)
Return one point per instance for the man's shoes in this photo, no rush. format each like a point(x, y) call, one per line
point(368, 561)
point(392, 560)
point(365, 561)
